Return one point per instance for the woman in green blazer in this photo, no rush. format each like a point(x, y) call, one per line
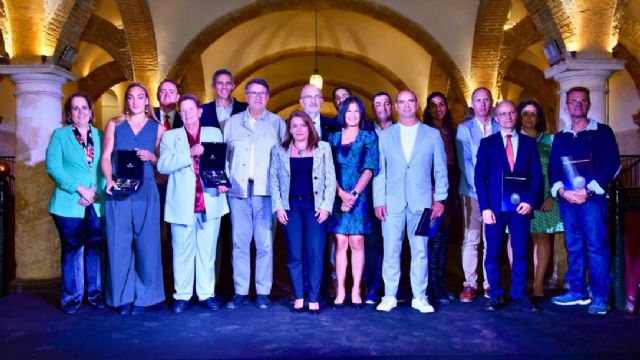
point(73, 162)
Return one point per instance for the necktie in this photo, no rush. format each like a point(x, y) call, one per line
point(484, 130)
point(166, 124)
point(510, 152)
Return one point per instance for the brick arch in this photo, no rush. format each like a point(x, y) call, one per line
point(101, 79)
point(552, 21)
point(65, 26)
point(385, 72)
point(412, 30)
point(632, 64)
point(104, 34)
point(532, 79)
point(487, 40)
point(516, 40)
point(138, 28)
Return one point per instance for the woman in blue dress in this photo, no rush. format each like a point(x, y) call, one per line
point(133, 221)
point(356, 157)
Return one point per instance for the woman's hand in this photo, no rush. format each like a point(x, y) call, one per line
point(110, 185)
point(282, 216)
point(87, 194)
point(146, 155)
point(223, 189)
point(547, 205)
point(196, 150)
point(347, 198)
point(322, 215)
point(345, 207)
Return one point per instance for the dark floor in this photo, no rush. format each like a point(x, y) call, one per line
point(33, 327)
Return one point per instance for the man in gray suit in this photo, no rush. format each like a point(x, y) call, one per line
point(409, 152)
point(467, 143)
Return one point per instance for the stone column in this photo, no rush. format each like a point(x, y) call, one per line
point(592, 74)
point(38, 112)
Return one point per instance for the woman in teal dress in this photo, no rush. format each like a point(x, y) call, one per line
point(547, 220)
point(356, 157)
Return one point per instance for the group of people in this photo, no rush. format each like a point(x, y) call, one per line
point(336, 186)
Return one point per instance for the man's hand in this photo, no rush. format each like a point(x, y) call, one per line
point(381, 212)
point(523, 208)
point(436, 210)
point(488, 217)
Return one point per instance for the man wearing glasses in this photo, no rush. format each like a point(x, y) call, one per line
point(311, 101)
point(583, 204)
point(502, 158)
point(250, 136)
point(224, 106)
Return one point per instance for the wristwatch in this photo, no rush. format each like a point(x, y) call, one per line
point(354, 193)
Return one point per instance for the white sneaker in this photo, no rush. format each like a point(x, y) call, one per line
point(387, 303)
point(422, 305)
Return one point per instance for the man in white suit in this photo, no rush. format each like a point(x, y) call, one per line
point(409, 152)
point(193, 210)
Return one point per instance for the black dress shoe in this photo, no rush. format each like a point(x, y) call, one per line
point(71, 307)
point(524, 304)
point(138, 310)
point(180, 306)
point(263, 302)
point(212, 304)
point(97, 302)
point(494, 304)
point(125, 309)
point(237, 301)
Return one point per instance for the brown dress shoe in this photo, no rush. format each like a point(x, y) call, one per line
point(467, 294)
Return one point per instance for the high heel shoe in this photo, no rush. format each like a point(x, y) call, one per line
point(297, 310)
point(357, 306)
point(315, 311)
point(337, 306)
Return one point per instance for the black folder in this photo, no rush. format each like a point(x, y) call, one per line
point(426, 226)
point(128, 172)
point(212, 165)
point(514, 186)
point(577, 170)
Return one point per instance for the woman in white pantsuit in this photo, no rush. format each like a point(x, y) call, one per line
point(193, 210)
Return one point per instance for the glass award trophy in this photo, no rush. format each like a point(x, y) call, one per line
point(514, 187)
point(578, 171)
point(212, 165)
point(128, 172)
point(426, 226)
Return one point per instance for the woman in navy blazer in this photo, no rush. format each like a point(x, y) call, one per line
point(76, 205)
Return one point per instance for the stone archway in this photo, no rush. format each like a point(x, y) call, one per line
point(412, 30)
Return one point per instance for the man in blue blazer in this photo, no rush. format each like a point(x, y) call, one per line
point(507, 153)
point(409, 153)
point(224, 105)
point(468, 139)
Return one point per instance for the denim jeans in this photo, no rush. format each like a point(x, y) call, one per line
point(303, 233)
point(587, 242)
point(82, 255)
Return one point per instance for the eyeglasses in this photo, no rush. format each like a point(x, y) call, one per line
point(257, 93)
point(578, 101)
point(309, 97)
point(507, 113)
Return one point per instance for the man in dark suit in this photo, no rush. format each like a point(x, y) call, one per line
point(311, 101)
point(506, 153)
point(168, 97)
point(224, 105)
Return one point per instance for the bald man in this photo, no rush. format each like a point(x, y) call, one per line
point(409, 152)
point(311, 101)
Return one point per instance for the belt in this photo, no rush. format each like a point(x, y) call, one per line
point(299, 198)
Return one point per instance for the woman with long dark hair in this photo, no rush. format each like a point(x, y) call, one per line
point(356, 158)
point(437, 115)
point(303, 190)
